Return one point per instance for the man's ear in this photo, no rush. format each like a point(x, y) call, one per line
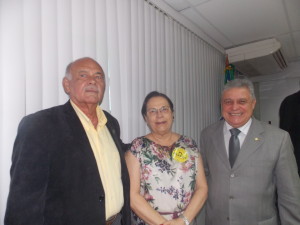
point(253, 103)
point(66, 85)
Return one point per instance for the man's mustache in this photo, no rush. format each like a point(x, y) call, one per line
point(91, 88)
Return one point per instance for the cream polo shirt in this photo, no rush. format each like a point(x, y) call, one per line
point(107, 158)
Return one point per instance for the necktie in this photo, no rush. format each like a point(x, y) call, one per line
point(234, 145)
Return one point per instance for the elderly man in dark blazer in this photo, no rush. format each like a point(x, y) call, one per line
point(246, 161)
point(68, 165)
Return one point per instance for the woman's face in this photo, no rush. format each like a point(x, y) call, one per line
point(159, 116)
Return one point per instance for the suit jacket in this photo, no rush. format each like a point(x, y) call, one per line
point(289, 113)
point(54, 174)
point(246, 193)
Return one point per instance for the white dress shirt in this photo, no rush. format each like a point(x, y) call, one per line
point(242, 135)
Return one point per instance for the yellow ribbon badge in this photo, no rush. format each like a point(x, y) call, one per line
point(180, 155)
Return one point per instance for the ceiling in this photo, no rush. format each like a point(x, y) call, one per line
point(232, 23)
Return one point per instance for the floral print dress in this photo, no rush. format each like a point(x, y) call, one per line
point(168, 174)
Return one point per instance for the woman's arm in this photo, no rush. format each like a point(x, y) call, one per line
point(200, 193)
point(198, 199)
point(137, 202)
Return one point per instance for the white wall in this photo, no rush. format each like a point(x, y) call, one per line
point(273, 89)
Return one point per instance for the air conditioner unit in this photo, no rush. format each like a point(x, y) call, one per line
point(258, 58)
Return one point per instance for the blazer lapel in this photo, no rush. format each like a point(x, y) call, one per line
point(252, 142)
point(77, 129)
point(78, 135)
point(219, 144)
point(114, 133)
point(79, 139)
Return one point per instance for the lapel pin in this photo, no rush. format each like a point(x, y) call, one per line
point(256, 139)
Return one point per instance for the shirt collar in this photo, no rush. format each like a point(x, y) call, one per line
point(244, 129)
point(102, 120)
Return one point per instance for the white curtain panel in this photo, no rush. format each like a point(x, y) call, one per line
point(139, 46)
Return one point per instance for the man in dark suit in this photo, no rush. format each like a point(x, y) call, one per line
point(246, 161)
point(68, 165)
point(289, 114)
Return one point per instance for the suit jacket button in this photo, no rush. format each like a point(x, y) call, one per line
point(101, 198)
point(232, 175)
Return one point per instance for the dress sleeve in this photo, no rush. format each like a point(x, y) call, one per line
point(136, 147)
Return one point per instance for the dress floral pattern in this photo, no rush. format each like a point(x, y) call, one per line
point(167, 183)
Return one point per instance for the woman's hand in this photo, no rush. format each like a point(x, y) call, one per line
point(177, 221)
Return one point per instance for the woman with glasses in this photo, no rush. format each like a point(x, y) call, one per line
point(167, 180)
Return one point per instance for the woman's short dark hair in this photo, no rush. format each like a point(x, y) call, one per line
point(155, 94)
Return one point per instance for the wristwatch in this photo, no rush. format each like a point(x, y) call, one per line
point(185, 220)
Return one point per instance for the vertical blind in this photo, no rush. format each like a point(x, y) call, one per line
point(140, 48)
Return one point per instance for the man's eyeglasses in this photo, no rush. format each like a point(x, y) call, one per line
point(154, 111)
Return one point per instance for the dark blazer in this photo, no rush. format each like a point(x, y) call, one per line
point(54, 174)
point(289, 114)
point(246, 193)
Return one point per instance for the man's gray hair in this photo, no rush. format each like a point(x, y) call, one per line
point(68, 74)
point(68, 71)
point(238, 83)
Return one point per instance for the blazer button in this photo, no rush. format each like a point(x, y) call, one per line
point(101, 198)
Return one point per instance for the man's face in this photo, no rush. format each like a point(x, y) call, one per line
point(87, 84)
point(237, 106)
